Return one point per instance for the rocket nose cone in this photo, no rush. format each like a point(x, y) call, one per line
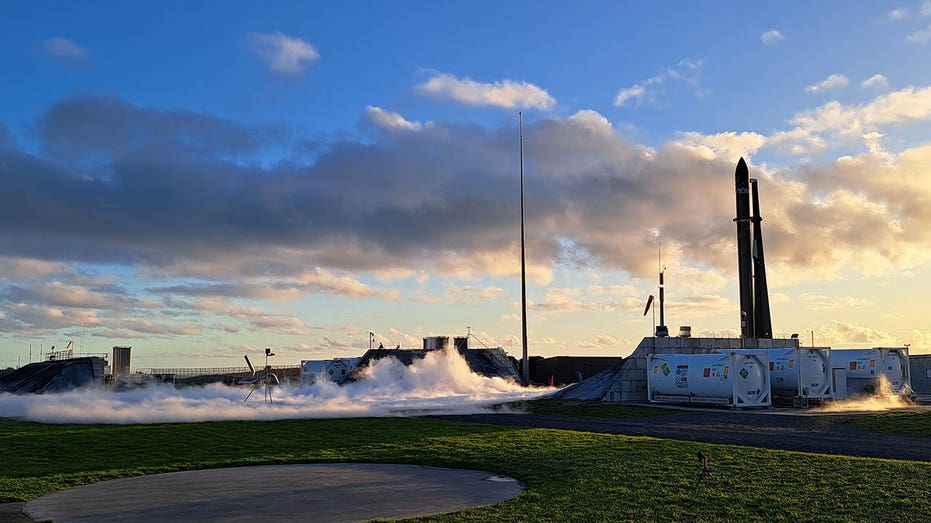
point(742, 174)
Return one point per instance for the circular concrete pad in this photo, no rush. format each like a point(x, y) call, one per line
point(313, 492)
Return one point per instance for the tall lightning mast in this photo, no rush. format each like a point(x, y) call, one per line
point(525, 362)
point(762, 321)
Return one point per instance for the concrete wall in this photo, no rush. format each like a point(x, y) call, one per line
point(631, 384)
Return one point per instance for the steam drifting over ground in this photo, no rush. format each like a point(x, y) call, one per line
point(441, 383)
point(885, 399)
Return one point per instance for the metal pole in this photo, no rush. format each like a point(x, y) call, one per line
point(525, 362)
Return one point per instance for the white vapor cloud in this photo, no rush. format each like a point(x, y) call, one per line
point(771, 37)
point(441, 383)
point(284, 54)
point(834, 81)
point(877, 81)
point(388, 120)
point(509, 94)
point(63, 48)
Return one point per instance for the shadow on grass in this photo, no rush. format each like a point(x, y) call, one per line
point(587, 409)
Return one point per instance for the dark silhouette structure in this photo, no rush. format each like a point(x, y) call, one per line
point(755, 320)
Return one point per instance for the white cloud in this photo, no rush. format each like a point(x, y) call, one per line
point(63, 48)
point(686, 72)
point(820, 302)
point(841, 332)
point(771, 37)
point(797, 141)
point(835, 81)
point(469, 294)
point(926, 8)
point(284, 54)
point(509, 94)
point(920, 37)
point(634, 92)
point(873, 142)
point(897, 14)
point(602, 341)
point(388, 120)
point(727, 145)
point(877, 81)
point(592, 121)
point(900, 106)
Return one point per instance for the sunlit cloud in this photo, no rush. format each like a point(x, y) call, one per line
point(687, 73)
point(897, 14)
point(509, 94)
point(877, 82)
point(841, 334)
point(388, 120)
point(834, 81)
point(771, 37)
point(65, 49)
point(727, 145)
point(470, 294)
point(921, 36)
point(284, 54)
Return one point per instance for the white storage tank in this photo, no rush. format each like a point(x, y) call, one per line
point(803, 372)
point(880, 370)
point(736, 378)
point(120, 365)
point(436, 343)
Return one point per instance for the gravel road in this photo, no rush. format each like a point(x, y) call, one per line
point(787, 430)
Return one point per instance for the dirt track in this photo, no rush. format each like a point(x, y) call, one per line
point(806, 432)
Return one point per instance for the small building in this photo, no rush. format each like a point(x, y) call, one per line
point(565, 370)
point(920, 371)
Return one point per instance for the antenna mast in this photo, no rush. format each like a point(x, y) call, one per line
point(525, 362)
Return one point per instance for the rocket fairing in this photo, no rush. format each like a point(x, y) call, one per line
point(744, 255)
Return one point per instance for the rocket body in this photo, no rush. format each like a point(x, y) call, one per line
point(744, 254)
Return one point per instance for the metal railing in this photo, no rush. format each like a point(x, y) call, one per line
point(190, 372)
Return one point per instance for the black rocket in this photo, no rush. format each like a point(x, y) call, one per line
point(755, 321)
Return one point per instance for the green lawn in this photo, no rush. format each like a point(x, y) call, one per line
point(916, 424)
point(571, 476)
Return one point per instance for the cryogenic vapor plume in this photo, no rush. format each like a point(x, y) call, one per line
point(441, 383)
point(884, 399)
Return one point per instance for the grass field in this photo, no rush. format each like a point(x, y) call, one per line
point(571, 476)
point(915, 424)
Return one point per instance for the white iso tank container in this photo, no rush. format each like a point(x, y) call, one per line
point(736, 378)
point(880, 370)
point(803, 372)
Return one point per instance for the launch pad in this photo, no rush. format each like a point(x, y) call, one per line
point(308, 492)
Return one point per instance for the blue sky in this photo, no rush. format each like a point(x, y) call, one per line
point(199, 179)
